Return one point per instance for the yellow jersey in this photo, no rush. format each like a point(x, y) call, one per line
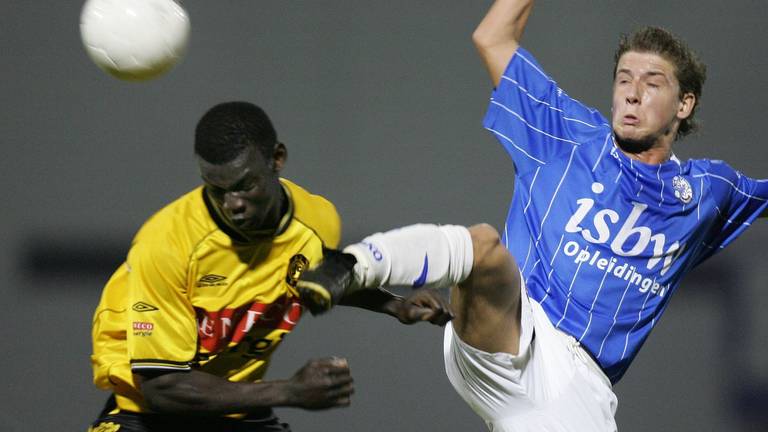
point(190, 296)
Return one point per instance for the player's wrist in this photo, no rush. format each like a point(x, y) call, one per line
point(287, 393)
point(254, 397)
point(393, 307)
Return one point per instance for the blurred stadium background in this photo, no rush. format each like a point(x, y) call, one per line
point(380, 105)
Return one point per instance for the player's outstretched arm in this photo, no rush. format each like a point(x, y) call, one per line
point(320, 384)
point(497, 37)
point(424, 304)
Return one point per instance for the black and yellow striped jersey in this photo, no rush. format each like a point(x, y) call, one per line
point(189, 296)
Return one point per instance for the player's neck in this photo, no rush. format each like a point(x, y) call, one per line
point(652, 156)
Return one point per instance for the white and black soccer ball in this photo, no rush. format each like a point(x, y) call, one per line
point(135, 39)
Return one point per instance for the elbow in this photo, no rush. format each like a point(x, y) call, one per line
point(503, 25)
point(482, 39)
point(489, 42)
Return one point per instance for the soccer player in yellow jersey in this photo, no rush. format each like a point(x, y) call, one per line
point(186, 326)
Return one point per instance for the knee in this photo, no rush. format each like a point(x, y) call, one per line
point(490, 255)
point(495, 276)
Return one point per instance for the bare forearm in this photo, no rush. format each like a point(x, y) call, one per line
point(373, 300)
point(498, 35)
point(504, 22)
point(423, 304)
point(200, 393)
point(319, 384)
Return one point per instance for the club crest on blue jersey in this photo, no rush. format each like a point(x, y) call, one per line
point(682, 188)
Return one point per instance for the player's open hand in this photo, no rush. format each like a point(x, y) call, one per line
point(424, 304)
point(322, 384)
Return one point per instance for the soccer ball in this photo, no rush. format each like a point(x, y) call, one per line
point(134, 40)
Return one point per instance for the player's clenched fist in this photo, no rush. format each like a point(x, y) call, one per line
point(321, 384)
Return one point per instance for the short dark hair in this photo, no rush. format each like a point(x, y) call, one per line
point(228, 128)
point(689, 70)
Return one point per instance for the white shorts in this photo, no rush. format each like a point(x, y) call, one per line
point(552, 385)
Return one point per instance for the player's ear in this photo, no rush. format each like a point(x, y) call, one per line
point(686, 105)
point(279, 156)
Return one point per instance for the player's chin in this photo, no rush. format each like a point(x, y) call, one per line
point(634, 142)
point(625, 133)
point(247, 222)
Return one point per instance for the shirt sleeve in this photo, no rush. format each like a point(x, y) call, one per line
point(739, 200)
point(162, 331)
point(534, 119)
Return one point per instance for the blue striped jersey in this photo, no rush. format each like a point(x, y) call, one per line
point(603, 240)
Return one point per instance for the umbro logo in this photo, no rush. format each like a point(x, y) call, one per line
point(212, 280)
point(143, 307)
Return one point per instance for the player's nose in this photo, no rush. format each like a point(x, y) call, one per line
point(233, 203)
point(632, 94)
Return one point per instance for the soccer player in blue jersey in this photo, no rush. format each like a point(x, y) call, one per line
point(604, 223)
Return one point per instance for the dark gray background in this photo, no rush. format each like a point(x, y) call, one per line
point(380, 105)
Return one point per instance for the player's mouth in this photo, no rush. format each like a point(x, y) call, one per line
point(630, 120)
point(241, 222)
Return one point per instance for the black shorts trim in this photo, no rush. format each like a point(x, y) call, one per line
point(126, 421)
point(160, 362)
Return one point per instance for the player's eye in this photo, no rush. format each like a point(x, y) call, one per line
point(251, 185)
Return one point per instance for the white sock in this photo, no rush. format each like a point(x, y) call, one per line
point(436, 256)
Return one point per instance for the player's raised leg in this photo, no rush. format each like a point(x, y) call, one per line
point(487, 303)
point(486, 297)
